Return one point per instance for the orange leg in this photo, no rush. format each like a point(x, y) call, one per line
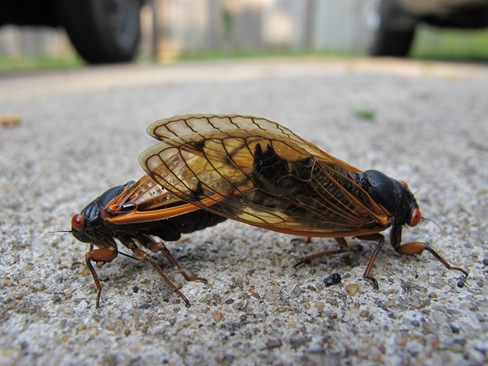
point(367, 272)
point(155, 246)
point(419, 247)
point(343, 248)
point(416, 248)
point(102, 255)
point(142, 255)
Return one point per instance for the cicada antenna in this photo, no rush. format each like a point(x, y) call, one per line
point(435, 223)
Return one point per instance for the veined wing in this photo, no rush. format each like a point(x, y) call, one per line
point(145, 201)
point(256, 171)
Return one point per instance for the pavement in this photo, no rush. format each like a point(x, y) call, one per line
point(67, 136)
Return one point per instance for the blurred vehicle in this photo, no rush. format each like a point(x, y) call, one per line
point(396, 20)
point(101, 31)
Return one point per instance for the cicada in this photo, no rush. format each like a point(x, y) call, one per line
point(258, 172)
point(136, 214)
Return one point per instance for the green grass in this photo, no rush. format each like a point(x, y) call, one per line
point(446, 44)
point(364, 113)
point(430, 44)
point(248, 54)
point(39, 63)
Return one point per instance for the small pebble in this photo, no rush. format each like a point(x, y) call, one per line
point(332, 279)
point(319, 305)
point(297, 291)
point(115, 326)
point(256, 295)
point(454, 329)
point(400, 341)
point(364, 314)
point(389, 304)
point(217, 316)
point(9, 120)
point(226, 359)
point(273, 343)
point(352, 288)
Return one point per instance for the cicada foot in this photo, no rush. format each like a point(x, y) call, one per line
point(142, 255)
point(158, 246)
point(373, 281)
point(380, 239)
point(155, 246)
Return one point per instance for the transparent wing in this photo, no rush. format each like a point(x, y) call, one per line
point(145, 201)
point(256, 171)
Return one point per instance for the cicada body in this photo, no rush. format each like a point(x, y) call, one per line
point(258, 172)
point(134, 214)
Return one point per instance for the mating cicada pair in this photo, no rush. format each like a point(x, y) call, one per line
point(209, 168)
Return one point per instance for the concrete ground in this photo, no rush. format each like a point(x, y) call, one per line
point(79, 132)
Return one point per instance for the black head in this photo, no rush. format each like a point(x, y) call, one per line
point(393, 195)
point(88, 226)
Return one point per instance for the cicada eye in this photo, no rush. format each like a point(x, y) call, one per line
point(403, 183)
point(415, 218)
point(78, 222)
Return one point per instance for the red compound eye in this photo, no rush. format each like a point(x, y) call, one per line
point(415, 218)
point(403, 183)
point(77, 222)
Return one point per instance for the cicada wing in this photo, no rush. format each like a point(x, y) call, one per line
point(145, 201)
point(190, 129)
point(258, 172)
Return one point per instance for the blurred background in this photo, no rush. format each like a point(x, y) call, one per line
point(57, 33)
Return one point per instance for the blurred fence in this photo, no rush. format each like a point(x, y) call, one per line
point(185, 26)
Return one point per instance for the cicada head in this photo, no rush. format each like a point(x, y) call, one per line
point(78, 228)
point(394, 195)
point(88, 226)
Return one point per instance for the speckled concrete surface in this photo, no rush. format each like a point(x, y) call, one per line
point(81, 132)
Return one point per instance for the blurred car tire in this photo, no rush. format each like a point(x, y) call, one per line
point(394, 32)
point(102, 31)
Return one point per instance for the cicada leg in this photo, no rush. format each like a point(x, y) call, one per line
point(102, 255)
point(380, 239)
point(143, 256)
point(343, 247)
point(417, 248)
point(156, 246)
